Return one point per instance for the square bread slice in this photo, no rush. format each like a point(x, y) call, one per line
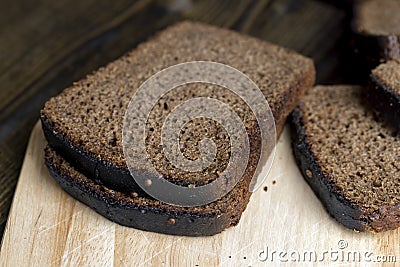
point(349, 157)
point(83, 124)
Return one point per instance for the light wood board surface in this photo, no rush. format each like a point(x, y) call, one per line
point(47, 227)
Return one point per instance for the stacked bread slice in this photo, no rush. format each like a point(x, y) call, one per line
point(83, 126)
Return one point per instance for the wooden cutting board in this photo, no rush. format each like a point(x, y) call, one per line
point(47, 227)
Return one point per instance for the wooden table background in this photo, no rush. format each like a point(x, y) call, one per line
point(45, 45)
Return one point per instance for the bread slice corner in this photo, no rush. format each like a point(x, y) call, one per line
point(384, 92)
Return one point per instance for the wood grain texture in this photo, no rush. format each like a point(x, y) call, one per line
point(50, 228)
point(43, 52)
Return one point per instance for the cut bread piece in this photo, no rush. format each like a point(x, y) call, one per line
point(384, 92)
point(348, 157)
point(84, 123)
point(377, 24)
point(141, 212)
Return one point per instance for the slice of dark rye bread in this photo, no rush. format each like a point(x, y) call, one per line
point(384, 91)
point(84, 126)
point(349, 157)
point(84, 123)
point(377, 27)
point(138, 211)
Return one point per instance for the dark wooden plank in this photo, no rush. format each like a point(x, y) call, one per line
point(310, 27)
point(32, 45)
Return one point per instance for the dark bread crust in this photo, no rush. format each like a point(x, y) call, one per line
point(340, 208)
point(376, 49)
point(139, 212)
point(101, 171)
point(368, 51)
point(348, 212)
